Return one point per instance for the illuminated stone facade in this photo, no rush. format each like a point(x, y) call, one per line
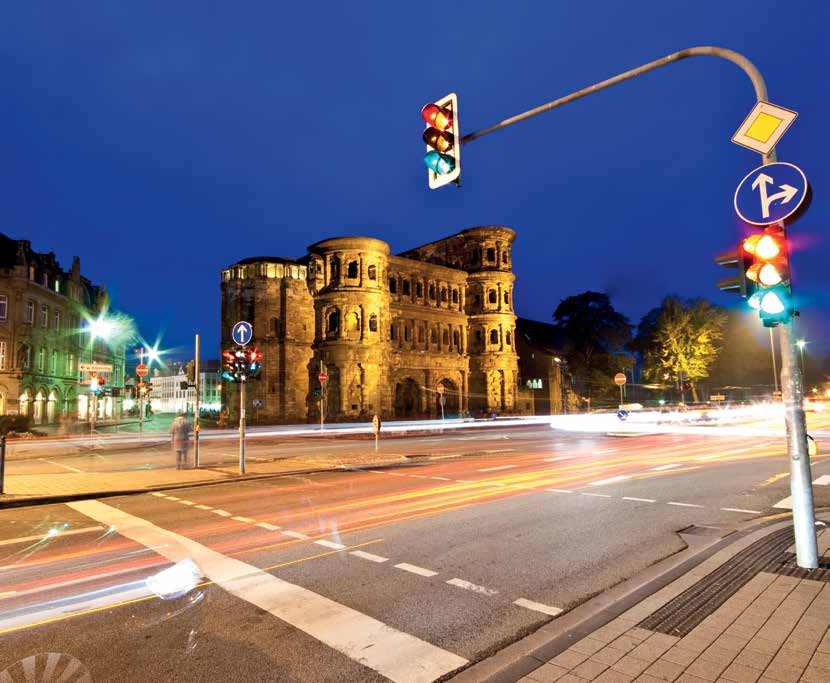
point(387, 329)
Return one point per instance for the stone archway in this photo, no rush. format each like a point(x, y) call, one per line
point(452, 399)
point(407, 398)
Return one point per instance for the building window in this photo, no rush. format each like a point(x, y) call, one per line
point(456, 339)
point(335, 268)
point(2, 355)
point(433, 336)
point(406, 333)
point(32, 273)
point(29, 313)
point(393, 285)
point(491, 255)
point(57, 320)
point(443, 294)
point(353, 322)
point(494, 336)
point(44, 280)
point(445, 338)
point(4, 305)
point(504, 257)
point(455, 296)
point(53, 363)
point(478, 336)
point(432, 292)
point(373, 323)
point(333, 321)
point(406, 287)
point(507, 338)
point(419, 289)
point(492, 296)
point(351, 272)
point(44, 316)
point(392, 334)
point(373, 273)
point(420, 335)
point(57, 286)
point(41, 359)
point(25, 359)
point(477, 299)
point(506, 298)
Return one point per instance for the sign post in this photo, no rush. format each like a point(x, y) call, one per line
point(376, 430)
point(323, 377)
point(141, 371)
point(242, 333)
point(620, 380)
point(196, 407)
point(440, 390)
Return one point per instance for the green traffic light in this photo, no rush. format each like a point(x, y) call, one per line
point(439, 163)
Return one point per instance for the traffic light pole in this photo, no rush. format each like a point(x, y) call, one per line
point(196, 408)
point(242, 427)
point(791, 379)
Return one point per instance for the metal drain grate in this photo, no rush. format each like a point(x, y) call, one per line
point(679, 616)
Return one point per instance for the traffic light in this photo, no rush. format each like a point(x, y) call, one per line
point(443, 139)
point(742, 260)
point(254, 362)
point(770, 273)
point(239, 365)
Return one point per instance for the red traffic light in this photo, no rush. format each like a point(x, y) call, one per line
point(102, 381)
point(437, 117)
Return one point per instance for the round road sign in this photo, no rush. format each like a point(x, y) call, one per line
point(242, 332)
point(619, 379)
point(323, 377)
point(141, 370)
point(770, 193)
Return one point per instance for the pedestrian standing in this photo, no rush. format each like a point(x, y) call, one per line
point(180, 431)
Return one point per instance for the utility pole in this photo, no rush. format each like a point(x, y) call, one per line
point(791, 376)
point(196, 408)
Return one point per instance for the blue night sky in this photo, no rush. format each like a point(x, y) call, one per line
point(161, 142)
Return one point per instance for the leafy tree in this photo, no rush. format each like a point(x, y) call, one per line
point(684, 339)
point(595, 338)
point(745, 360)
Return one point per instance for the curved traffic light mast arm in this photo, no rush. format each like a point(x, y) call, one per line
point(701, 51)
point(791, 379)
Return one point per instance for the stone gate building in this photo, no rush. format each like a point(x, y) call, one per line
point(387, 329)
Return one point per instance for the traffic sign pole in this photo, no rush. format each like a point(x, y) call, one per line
point(196, 408)
point(323, 377)
point(242, 427)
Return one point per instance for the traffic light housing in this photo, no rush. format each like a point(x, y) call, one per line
point(742, 260)
point(770, 271)
point(240, 365)
point(443, 140)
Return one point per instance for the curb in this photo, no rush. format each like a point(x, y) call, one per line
point(529, 653)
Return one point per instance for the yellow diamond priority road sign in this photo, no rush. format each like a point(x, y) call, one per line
point(763, 128)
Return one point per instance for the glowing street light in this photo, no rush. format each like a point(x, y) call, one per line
point(100, 327)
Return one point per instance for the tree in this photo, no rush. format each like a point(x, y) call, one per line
point(595, 337)
point(684, 340)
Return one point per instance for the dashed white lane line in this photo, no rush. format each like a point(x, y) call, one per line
point(823, 480)
point(640, 500)
point(330, 544)
point(559, 490)
point(159, 495)
point(750, 512)
point(661, 468)
point(66, 467)
point(684, 505)
point(414, 569)
point(247, 520)
point(204, 507)
point(466, 585)
point(221, 513)
point(172, 498)
point(610, 480)
point(265, 525)
point(392, 653)
point(595, 495)
point(494, 469)
point(537, 607)
point(397, 474)
point(368, 556)
point(186, 502)
point(295, 534)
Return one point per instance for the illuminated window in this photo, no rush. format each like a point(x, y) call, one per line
point(4, 305)
point(373, 273)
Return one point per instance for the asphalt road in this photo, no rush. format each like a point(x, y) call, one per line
point(402, 573)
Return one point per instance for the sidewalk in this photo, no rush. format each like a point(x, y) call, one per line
point(745, 614)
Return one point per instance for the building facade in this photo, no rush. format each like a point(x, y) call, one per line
point(43, 311)
point(169, 395)
point(386, 329)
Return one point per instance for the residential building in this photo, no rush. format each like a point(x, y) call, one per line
point(171, 392)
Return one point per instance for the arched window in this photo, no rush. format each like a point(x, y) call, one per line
point(335, 268)
point(491, 255)
point(494, 336)
point(351, 271)
point(492, 296)
point(420, 335)
point(506, 298)
point(373, 323)
point(433, 336)
point(333, 321)
point(504, 257)
point(392, 333)
point(432, 292)
point(507, 338)
point(479, 336)
point(406, 332)
point(456, 339)
point(406, 289)
point(352, 322)
point(373, 273)
point(419, 289)
point(443, 294)
point(445, 338)
point(455, 296)
point(393, 285)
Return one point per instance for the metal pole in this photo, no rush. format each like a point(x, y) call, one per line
point(242, 428)
point(2, 463)
point(141, 394)
point(322, 398)
point(621, 395)
point(196, 408)
point(94, 414)
point(774, 370)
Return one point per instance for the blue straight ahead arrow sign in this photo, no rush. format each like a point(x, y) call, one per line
point(770, 193)
point(242, 332)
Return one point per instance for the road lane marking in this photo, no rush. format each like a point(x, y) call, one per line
point(222, 513)
point(392, 653)
point(247, 520)
point(368, 556)
point(66, 467)
point(172, 498)
point(538, 607)
point(5, 594)
point(640, 500)
point(160, 495)
point(420, 571)
point(595, 495)
point(684, 505)
point(444, 457)
point(466, 585)
point(265, 525)
point(661, 468)
point(750, 512)
point(295, 534)
point(204, 507)
point(47, 535)
point(559, 490)
point(493, 469)
point(187, 502)
point(785, 503)
point(823, 480)
point(330, 544)
point(610, 480)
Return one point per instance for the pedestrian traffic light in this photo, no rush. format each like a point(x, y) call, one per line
point(443, 139)
point(771, 274)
